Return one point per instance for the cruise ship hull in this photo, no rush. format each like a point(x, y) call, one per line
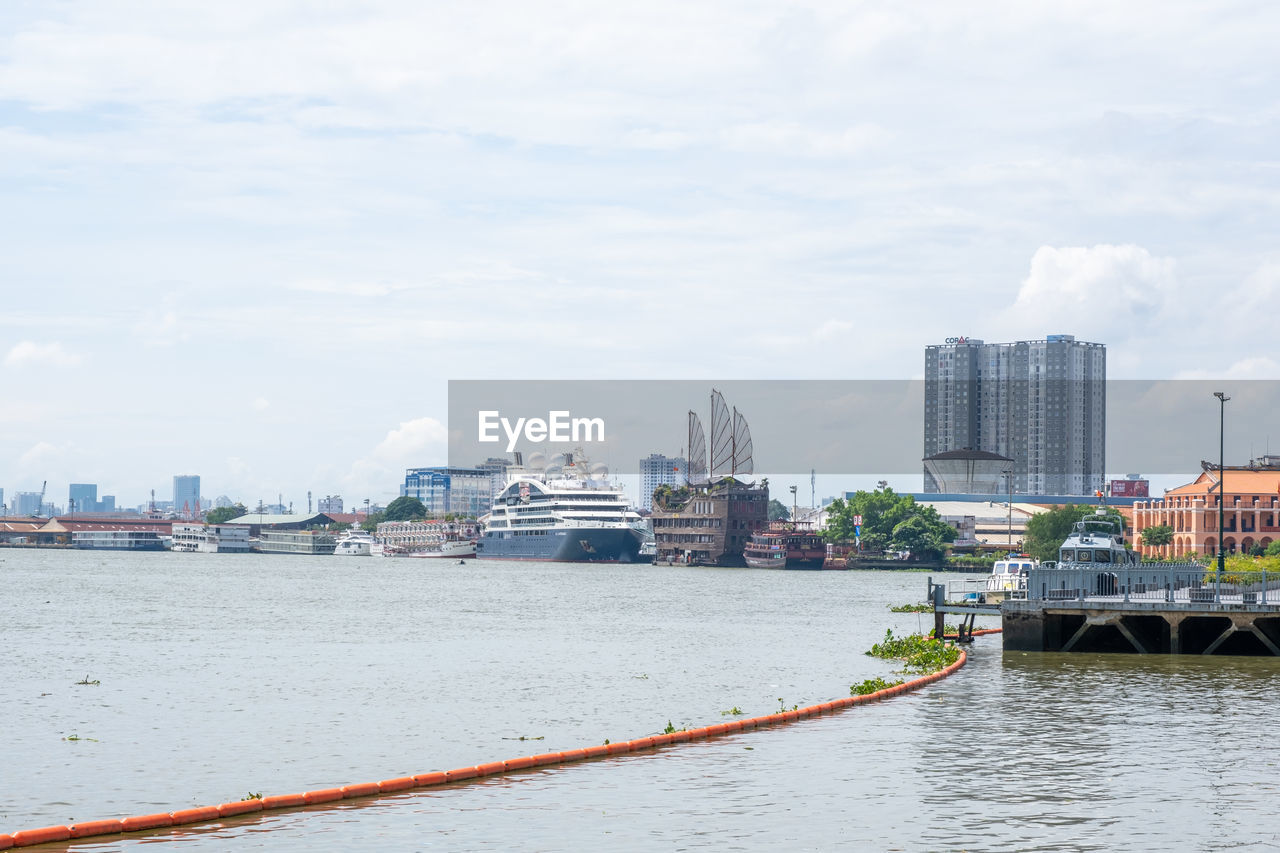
point(574, 545)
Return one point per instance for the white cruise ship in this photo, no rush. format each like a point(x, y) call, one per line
point(566, 511)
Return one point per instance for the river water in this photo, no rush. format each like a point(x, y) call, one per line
point(221, 675)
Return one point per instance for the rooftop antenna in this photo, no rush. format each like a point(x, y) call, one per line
point(813, 488)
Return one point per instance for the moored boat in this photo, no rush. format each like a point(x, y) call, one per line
point(427, 538)
point(117, 540)
point(294, 542)
point(1007, 576)
point(443, 548)
point(786, 545)
point(567, 511)
point(357, 543)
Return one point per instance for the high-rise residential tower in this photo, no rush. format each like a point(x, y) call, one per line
point(1041, 403)
point(658, 470)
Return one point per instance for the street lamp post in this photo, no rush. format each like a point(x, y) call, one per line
point(1222, 496)
point(1008, 482)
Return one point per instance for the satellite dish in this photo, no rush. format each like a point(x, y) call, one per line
point(560, 459)
point(537, 459)
point(554, 471)
point(599, 470)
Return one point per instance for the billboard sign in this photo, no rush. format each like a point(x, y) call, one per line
point(1130, 488)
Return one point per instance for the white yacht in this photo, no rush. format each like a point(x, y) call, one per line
point(567, 511)
point(357, 543)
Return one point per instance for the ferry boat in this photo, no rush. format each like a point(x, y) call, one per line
point(786, 545)
point(196, 537)
point(567, 512)
point(356, 543)
point(1008, 575)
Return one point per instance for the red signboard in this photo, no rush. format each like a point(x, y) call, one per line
point(1130, 488)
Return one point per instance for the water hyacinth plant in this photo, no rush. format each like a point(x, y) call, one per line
point(921, 654)
point(872, 685)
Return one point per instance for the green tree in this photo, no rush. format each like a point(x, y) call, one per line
point(404, 509)
point(1273, 550)
point(370, 523)
point(778, 510)
point(1047, 530)
point(223, 514)
point(1157, 535)
point(884, 514)
point(918, 536)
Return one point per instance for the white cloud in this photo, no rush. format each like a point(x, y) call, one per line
point(422, 441)
point(1259, 294)
point(792, 139)
point(1253, 367)
point(40, 453)
point(413, 440)
point(25, 353)
point(165, 328)
point(23, 412)
point(353, 288)
point(1102, 293)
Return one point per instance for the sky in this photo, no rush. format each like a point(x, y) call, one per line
point(254, 241)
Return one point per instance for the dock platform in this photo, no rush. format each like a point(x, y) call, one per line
point(1142, 610)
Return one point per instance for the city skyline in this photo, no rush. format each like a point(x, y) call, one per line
point(302, 235)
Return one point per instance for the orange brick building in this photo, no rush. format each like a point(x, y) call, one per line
point(1251, 513)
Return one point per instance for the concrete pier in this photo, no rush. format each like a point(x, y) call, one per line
point(1140, 609)
point(1141, 627)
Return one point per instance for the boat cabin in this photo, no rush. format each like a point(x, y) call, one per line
point(1096, 541)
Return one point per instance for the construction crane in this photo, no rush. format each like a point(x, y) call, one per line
point(40, 505)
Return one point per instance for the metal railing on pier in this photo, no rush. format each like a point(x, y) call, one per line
point(1185, 583)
